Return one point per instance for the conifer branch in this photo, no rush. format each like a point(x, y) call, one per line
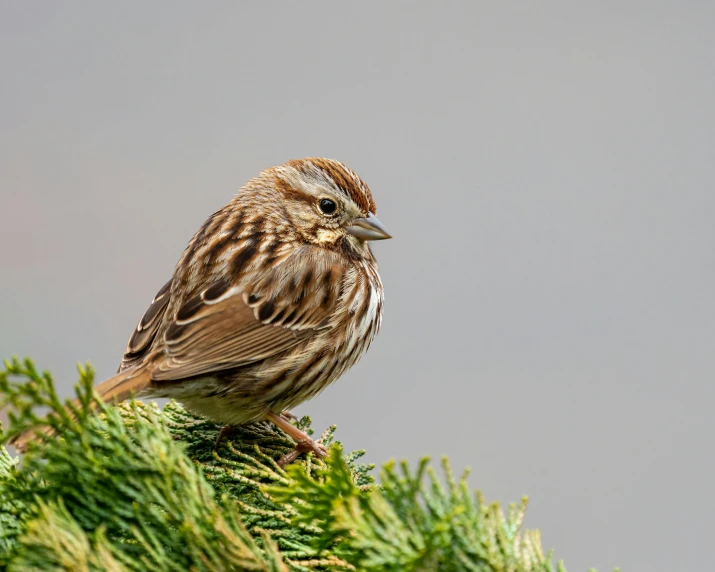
point(138, 488)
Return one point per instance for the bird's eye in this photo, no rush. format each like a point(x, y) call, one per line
point(327, 206)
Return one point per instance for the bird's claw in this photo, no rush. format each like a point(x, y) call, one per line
point(305, 446)
point(288, 416)
point(226, 430)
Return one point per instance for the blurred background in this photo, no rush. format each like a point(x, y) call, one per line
point(547, 170)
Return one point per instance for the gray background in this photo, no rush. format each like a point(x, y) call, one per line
point(547, 172)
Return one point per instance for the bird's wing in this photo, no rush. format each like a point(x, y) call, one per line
point(227, 326)
point(146, 330)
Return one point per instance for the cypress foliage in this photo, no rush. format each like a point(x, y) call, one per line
point(138, 488)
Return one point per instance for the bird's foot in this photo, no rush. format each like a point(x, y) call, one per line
point(309, 446)
point(304, 444)
point(288, 416)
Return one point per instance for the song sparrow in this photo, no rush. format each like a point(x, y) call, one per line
point(274, 298)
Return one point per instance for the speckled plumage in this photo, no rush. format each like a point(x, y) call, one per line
point(273, 299)
point(270, 302)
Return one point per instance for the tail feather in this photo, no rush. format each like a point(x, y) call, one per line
point(122, 386)
point(114, 390)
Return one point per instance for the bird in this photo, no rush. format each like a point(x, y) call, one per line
point(275, 297)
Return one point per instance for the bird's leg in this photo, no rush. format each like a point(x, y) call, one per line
point(226, 430)
point(304, 443)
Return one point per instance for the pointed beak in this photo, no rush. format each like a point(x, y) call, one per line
point(368, 228)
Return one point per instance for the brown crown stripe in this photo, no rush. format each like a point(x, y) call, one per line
point(346, 180)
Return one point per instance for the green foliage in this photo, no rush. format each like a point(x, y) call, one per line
point(136, 488)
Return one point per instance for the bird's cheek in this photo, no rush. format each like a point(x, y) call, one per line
point(327, 235)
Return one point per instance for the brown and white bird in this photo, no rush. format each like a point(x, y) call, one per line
point(274, 298)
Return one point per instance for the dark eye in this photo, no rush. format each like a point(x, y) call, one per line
point(327, 206)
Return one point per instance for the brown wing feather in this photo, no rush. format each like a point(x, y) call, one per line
point(146, 330)
point(224, 327)
point(219, 335)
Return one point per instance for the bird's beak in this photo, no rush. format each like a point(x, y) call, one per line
point(368, 228)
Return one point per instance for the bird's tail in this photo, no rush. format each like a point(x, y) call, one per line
point(118, 388)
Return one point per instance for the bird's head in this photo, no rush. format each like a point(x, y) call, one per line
point(328, 204)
